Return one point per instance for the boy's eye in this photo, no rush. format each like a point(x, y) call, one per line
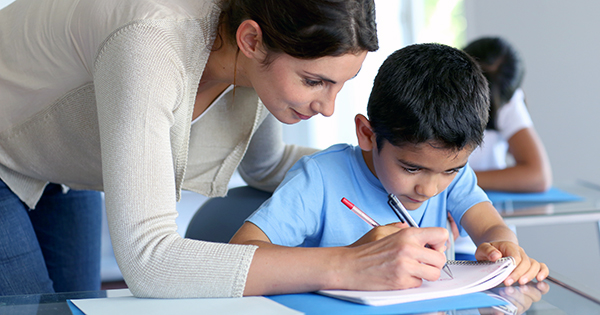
point(452, 171)
point(412, 170)
point(310, 82)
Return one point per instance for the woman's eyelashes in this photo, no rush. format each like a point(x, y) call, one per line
point(311, 83)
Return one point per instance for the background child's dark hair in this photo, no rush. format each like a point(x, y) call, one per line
point(306, 29)
point(502, 67)
point(429, 93)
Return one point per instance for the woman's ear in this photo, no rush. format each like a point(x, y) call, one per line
point(364, 133)
point(249, 40)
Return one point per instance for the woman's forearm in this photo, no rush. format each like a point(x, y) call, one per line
point(278, 270)
point(399, 261)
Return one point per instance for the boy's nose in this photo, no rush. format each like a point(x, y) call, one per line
point(427, 189)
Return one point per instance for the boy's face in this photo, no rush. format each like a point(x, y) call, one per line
point(415, 173)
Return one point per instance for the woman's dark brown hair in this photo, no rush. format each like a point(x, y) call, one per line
point(306, 29)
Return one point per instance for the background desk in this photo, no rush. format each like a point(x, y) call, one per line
point(563, 235)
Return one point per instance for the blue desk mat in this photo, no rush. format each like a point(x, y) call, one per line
point(552, 195)
point(316, 304)
point(74, 309)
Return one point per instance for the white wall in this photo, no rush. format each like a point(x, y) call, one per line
point(4, 3)
point(560, 44)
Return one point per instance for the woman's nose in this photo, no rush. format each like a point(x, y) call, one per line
point(325, 105)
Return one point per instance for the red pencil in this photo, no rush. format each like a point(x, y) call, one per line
point(360, 213)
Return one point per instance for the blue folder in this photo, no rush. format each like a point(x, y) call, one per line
point(316, 304)
point(552, 195)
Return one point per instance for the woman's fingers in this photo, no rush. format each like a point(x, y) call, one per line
point(399, 261)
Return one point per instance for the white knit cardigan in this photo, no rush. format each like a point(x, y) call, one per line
point(99, 94)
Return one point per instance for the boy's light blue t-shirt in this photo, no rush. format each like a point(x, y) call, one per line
point(306, 209)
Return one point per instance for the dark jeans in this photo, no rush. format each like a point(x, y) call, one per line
point(54, 248)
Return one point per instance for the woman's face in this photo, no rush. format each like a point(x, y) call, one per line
point(295, 89)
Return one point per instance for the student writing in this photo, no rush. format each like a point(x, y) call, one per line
point(427, 111)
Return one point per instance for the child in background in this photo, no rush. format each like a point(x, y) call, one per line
point(509, 129)
point(427, 112)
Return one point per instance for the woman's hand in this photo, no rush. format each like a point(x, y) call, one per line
point(397, 261)
point(380, 232)
point(527, 268)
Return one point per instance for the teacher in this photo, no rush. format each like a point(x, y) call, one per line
point(144, 98)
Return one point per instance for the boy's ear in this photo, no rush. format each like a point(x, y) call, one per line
point(249, 40)
point(364, 133)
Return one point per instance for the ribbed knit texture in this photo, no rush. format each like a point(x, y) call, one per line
point(113, 85)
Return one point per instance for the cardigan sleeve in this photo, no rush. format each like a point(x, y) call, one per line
point(268, 158)
point(140, 81)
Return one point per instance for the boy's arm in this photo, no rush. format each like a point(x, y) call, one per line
point(249, 233)
point(495, 240)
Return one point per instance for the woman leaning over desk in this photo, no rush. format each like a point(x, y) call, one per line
point(143, 98)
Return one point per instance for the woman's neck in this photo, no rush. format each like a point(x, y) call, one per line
point(225, 65)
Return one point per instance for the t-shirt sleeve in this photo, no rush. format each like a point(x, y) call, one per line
point(293, 214)
point(463, 193)
point(513, 116)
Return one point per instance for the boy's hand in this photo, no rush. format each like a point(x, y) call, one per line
point(380, 232)
point(527, 268)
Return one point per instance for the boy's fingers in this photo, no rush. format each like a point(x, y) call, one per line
point(534, 268)
point(487, 251)
point(544, 272)
point(537, 270)
point(519, 274)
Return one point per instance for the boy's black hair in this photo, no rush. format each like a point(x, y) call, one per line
point(429, 93)
point(502, 67)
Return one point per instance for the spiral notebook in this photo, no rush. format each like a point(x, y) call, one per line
point(469, 277)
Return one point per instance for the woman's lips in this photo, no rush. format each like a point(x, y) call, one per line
point(303, 117)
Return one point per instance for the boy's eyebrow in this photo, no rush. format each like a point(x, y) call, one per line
point(412, 165)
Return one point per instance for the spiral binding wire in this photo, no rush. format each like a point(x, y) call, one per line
point(478, 262)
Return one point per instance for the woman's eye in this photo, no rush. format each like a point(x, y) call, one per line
point(313, 82)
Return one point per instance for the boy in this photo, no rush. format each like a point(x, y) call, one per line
point(427, 112)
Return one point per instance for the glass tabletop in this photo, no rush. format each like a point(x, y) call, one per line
point(590, 203)
point(49, 304)
point(546, 298)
